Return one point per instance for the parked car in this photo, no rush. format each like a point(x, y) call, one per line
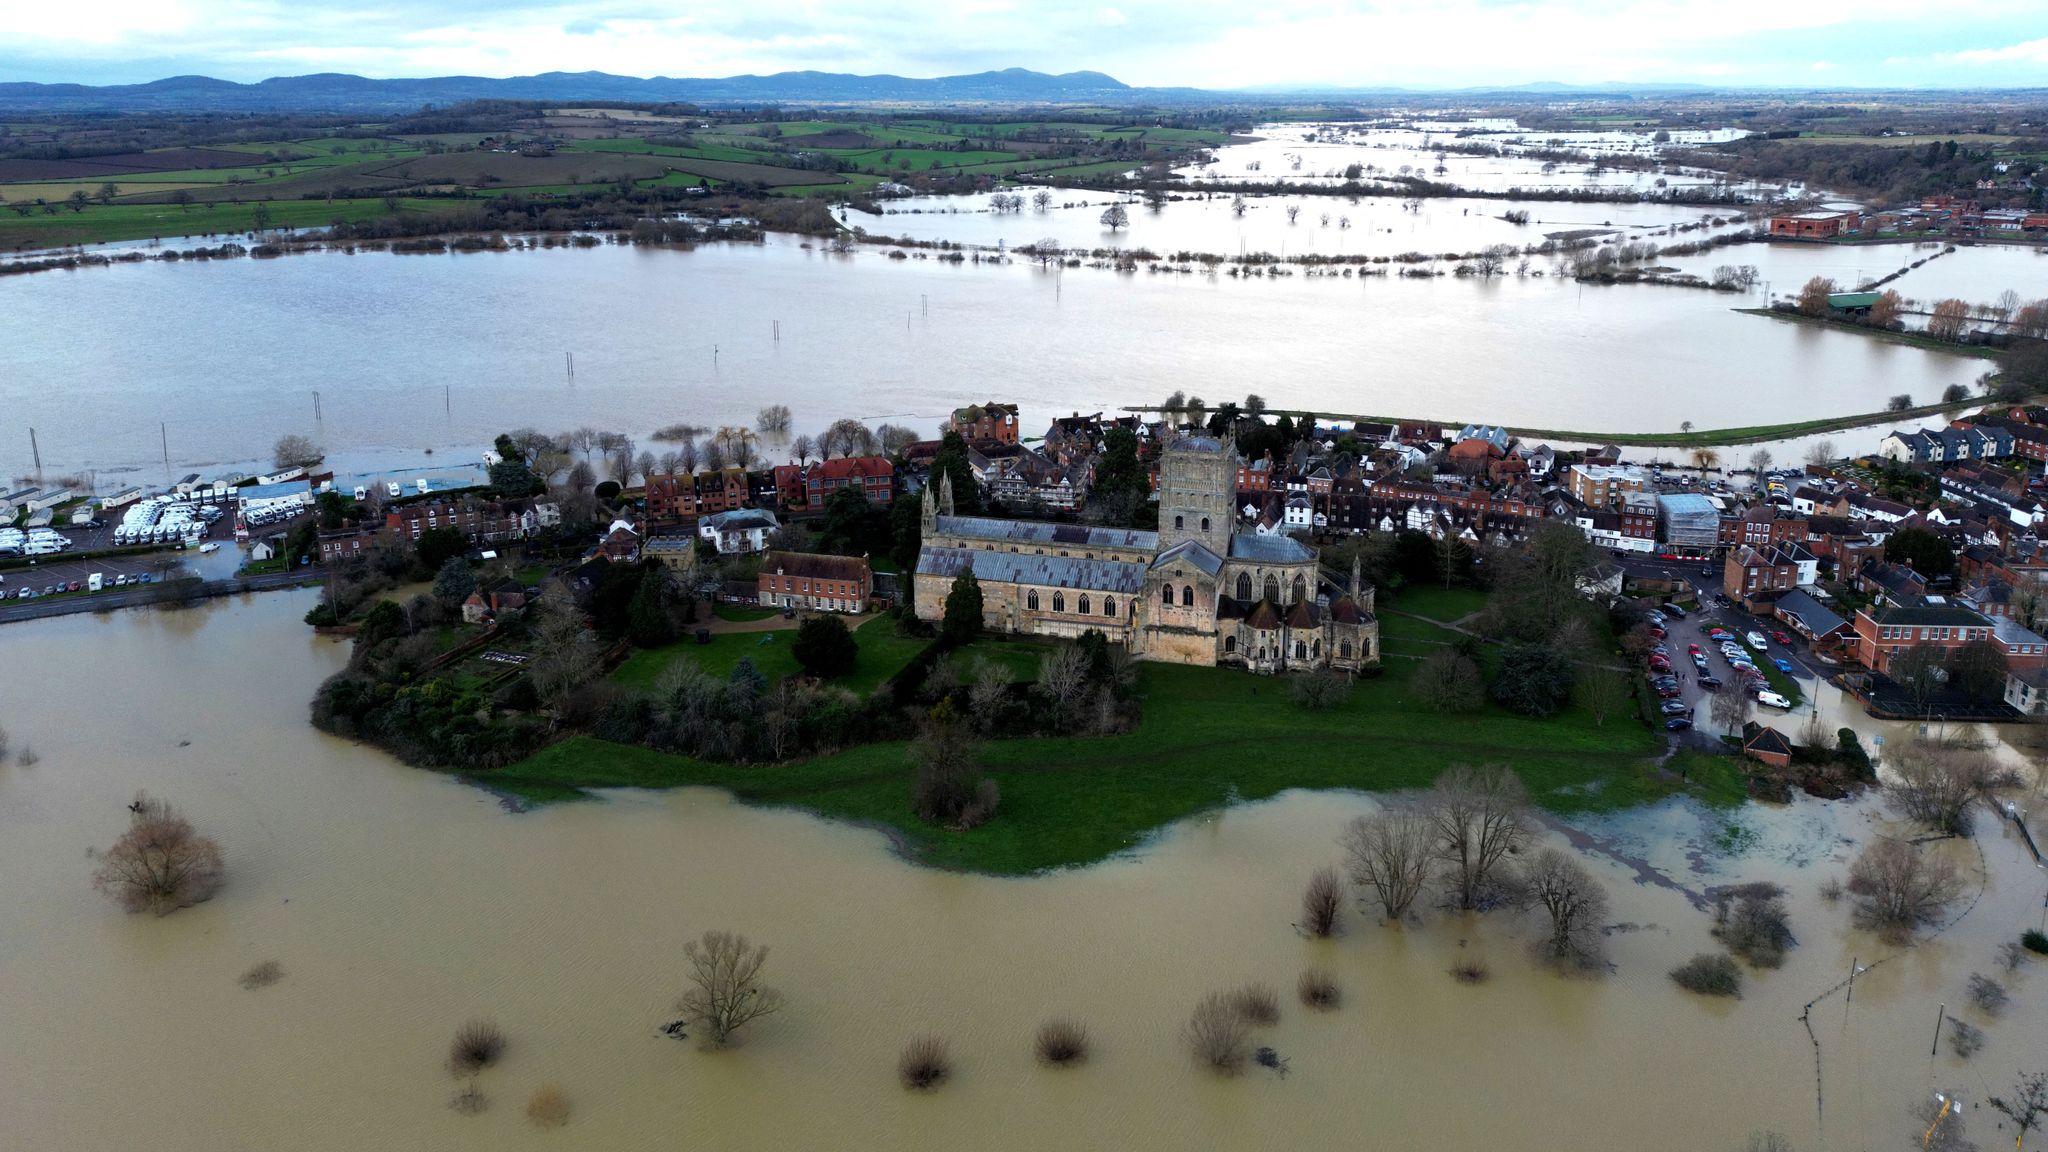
point(1674, 707)
point(1692, 649)
point(1773, 700)
point(1721, 634)
point(1783, 665)
point(1709, 681)
point(1784, 638)
point(1675, 610)
point(1699, 662)
point(1659, 633)
point(1677, 723)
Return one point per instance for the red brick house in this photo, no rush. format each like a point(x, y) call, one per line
point(814, 581)
point(1755, 578)
point(479, 521)
point(343, 545)
point(1882, 632)
point(1766, 745)
point(1760, 527)
point(991, 421)
point(1819, 224)
point(806, 489)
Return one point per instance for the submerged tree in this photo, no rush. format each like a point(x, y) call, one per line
point(1389, 851)
point(725, 986)
point(1898, 889)
point(1478, 816)
point(160, 863)
point(1577, 905)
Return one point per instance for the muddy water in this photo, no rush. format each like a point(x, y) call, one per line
point(402, 903)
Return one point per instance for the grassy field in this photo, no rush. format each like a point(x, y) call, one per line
point(101, 223)
point(882, 653)
point(1437, 602)
point(1209, 738)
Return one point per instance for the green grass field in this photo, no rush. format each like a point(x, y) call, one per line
point(882, 653)
point(99, 224)
point(1209, 738)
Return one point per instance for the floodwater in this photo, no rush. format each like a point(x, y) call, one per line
point(409, 353)
point(401, 904)
point(1323, 225)
point(1977, 273)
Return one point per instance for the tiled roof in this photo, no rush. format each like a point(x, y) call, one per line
point(1041, 532)
point(741, 519)
point(814, 565)
point(1812, 615)
point(1194, 552)
point(1026, 568)
point(1269, 549)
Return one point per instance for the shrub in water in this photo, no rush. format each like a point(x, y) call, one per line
point(924, 1064)
point(1709, 974)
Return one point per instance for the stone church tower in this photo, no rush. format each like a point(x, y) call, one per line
point(1197, 486)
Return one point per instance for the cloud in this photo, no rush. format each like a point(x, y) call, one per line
point(2028, 52)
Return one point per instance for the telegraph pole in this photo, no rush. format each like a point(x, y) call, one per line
point(35, 451)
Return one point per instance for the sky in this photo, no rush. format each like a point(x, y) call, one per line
point(1182, 43)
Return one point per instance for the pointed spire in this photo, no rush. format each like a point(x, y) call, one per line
point(946, 493)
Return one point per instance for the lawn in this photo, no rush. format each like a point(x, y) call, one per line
point(1209, 738)
point(102, 223)
point(1446, 605)
point(740, 613)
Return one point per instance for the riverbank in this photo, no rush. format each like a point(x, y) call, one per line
point(1909, 339)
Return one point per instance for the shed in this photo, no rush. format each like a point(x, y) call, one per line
point(1766, 745)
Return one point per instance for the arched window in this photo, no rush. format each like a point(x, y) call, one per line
point(1109, 605)
point(1031, 600)
point(1300, 590)
point(1344, 649)
point(1273, 589)
point(1187, 596)
point(1059, 601)
point(1230, 643)
point(1244, 585)
point(1300, 650)
point(1176, 524)
point(1315, 649)
point(1084, 604)
point(1166, 594)
point(1205, 523)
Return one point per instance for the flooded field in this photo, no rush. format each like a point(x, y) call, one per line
point(401, 904)
point(417, 352)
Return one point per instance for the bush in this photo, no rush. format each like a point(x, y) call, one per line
point(470, 1101)
point(1752, 921)
point(1256, 1004)
point(1964, 1039)
point(1061, 1043)
point(2034, 941)
point(1709, 974)
point(548, 1107)
point(1831, 889)
point(825, 648)
point(1987, 994)
point(1534, 680)
point(477, 1046)
point(1470, 972)
point(160, 863)
point(1322, 904)
point(1319, 690)
point(261, 975)
point(1216, 1036)
point(1319, 990)
point(925, 1064)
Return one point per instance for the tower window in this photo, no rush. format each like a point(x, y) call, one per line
point(1177, 525)
point(1205, 523)
point(1084, 604)
point(1187, 595)
point(1244, 585)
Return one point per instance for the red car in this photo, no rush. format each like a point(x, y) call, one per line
point(1782, 638)
point(1692, 649)
point(1659, 633)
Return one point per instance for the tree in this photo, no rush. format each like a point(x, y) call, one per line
point(951, 465)
point(2026, 1105)
point(1390, 851)
point(107, 192)
point(1478, 817)
point(1577, 906)
point(1534, 679)
point(2031, 321)
point(962, 622)
point(1760, 462)
point(1954, 394)
point(1884, 312)
point(1898, 889)
point(160, 863)
point(1322, 903)
point(183, 199)
point(293, 450)
point(825, 648)
point(1237, 205)
point(1062, 680)
point(944, 759)
point(1813, 298)
point(1936, 785)
point(1920, 550)
point(1919, 671)
point(1447, 680)
point(1821, 454)
point(1453, 559)
point(1949, 319)
point(78, 199)
point(565, 654)
point(1115, 217)
point(261, 216)
point(774, 419)
point(1041, 200)
point(725, 991)
point(895, 439)
point(454, 582)
point(989, 696)
point(648, 621)
point(1731, 705)
point(1121, 488)
point(1602, 692)
point(1978, 669)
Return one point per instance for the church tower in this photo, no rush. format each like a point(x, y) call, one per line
point(1197, 488)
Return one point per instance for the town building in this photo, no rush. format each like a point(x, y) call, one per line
point(742, 530)
point(1884, 631)
point(1603, 485)
point(806, 488)
point(991, 422)
point(1688, 523)
point(479, 521)
point(813, 581)
point(1197, 591)
point(1814, 224)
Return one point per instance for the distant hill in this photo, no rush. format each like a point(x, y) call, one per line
point(341, 92)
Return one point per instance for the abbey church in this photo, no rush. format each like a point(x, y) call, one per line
point(1197, 591)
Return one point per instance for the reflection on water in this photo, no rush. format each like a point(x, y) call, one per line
point(402, 903)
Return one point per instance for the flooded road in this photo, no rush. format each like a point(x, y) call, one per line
point(402, 903)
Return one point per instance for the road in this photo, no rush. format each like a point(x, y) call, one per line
point(134, 595)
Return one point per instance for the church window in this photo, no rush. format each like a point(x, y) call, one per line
point(1166, 594)
point(1230, 643)
point(1187, 595)
point(1205, 523)
point(1315, 649)
point(1084, 604)
point(1177, 524)
point(1031, 600)
point(1300, 650)
point(1244, 585)
point(1344, 649)
point(1059, 601)
point(1273, 589)
point(1109, 605)
point(1300, 589)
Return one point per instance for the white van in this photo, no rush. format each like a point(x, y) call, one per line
point(94, 582)
point(1756, 640)
point(1773, 700)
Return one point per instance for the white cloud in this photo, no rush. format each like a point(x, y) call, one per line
point(2029, 52)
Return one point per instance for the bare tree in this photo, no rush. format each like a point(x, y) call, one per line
point(160, 863)
point(803, 448)
point(686, 455)
point(1390, 852)
point(1216, 1035)
point(1577, 906)
point(294, 450)
point(773, 420)
point(1062, 679)
point(1041, 200)
point(1237, 205)
point(1760, 462)
point(895, 439)
point(2026, 1105)
point(1447, 680)
point(1601, 691)
point(1949, 319)
point(1936, 786)
point(565, 654)
point(1884, 311)
point(1115, 217)
point(1322, 902)
point(989, 694)
point(1479, 816)
point(1821, 454)
point(2005, 307)
point(725, 993)
point(1898, 889)
point(1730, 705)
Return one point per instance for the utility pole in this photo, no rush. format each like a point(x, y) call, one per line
point(163, 430)
point(569, 358)
point(448, 399)
point(316, 406)
point(1935, 1048)
point(35, 451)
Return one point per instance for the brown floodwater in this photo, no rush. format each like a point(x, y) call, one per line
point(402, 903)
